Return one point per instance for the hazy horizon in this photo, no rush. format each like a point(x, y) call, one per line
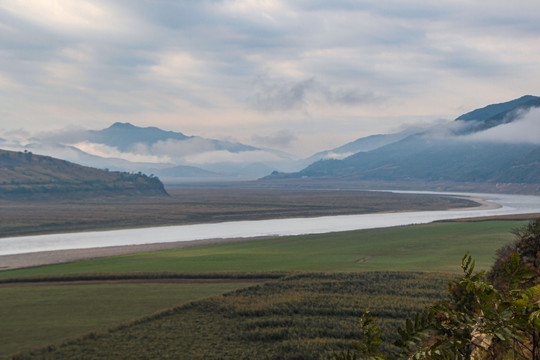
point(301, 76)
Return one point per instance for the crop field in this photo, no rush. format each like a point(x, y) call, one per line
point(189, 206)
point(306, 316)
point(35, 316)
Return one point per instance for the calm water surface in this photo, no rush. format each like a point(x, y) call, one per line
point(509, 204)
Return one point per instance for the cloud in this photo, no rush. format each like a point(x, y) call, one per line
point(280, 139)
point(350, 96)
point(112, 152)
point(281, 94)
point(17, 135)
point(181, 148)
point(523, 130)
point(337, 156)
point(69, 135)
point(223, 156)
point(194, 151)
point(66, 15)
point(191, 64)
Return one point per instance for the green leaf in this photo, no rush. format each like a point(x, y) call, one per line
point(409, 326)
point(403, 334)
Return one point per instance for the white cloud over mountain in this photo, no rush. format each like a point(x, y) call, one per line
point(524, 130)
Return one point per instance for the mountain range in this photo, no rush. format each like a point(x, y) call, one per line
point(497, 144)
point(170, 155)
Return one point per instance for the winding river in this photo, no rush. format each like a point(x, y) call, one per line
point(507, 205)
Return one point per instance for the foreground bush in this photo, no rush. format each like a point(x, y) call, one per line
point(479, 320)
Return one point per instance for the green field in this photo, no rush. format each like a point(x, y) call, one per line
point(308, 317)
point(430, 247)
point(40, 315)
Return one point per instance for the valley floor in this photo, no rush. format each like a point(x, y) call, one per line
point(195, 206)
point(9, 262)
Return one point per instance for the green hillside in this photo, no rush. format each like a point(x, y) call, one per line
point(27, 174)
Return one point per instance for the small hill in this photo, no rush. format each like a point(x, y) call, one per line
point(24, 173)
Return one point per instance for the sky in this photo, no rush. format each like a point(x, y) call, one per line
point(297, 75)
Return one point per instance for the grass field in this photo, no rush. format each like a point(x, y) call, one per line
point(40, 315)
point(430, 247)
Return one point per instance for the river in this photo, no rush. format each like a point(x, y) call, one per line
point(508, 204)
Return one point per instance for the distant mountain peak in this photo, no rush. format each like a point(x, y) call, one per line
point(496, 114)
point(152, 130)
point(121, 125)
point(489, 111)
point(130, 127)
point(124, 135)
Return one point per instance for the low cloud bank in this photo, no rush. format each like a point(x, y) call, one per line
point(337, 156)
point(526, 129)
point(523, 130)
point(70, 144)
point(106, 151)
point(180, 152)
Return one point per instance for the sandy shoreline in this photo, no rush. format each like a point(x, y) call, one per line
point(484, 203)
point(8, 262)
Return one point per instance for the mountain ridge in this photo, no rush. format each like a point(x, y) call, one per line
point(429, 157)
point(489, 111)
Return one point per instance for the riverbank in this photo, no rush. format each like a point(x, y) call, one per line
point(204, 206)
point(61, 248)
point(17, 261)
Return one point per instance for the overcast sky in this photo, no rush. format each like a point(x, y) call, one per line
point(298, 75)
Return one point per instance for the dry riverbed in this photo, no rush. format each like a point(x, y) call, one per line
point(8, 262)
